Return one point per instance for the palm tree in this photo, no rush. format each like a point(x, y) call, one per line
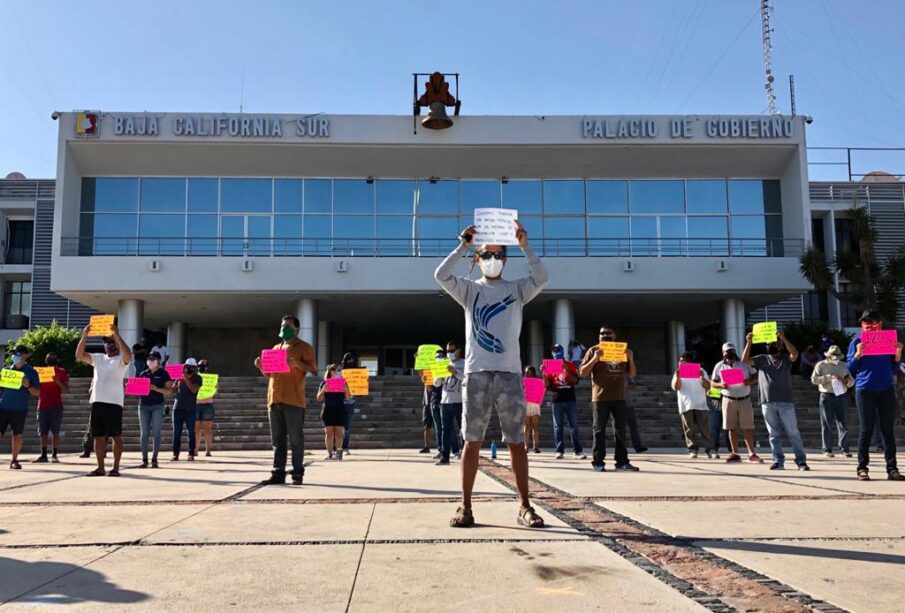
point(872, 285)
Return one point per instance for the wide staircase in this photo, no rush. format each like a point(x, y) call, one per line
point(390, 416)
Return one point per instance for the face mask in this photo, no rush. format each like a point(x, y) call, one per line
point(16, 357)
point(451, 356)
point(287, 333)
point(492, 267)
point(732, 356)
point(833, 359)
point(557, 355)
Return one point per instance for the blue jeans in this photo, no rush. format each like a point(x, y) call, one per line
point(437, 416)
point(350, 411)
point(150, 419)
point(834, 410)
point(571, 412)
point(716, 428)
point(450, 414)
point(780, 416)
point(877, 409)
point(183, 419)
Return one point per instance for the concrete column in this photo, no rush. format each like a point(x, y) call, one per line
point(732, 325)
point(675, 342)
point(306, 311)
point(131, 320)
point(563, 322)
point(323, 345)
point(535, 343)
point(177, 333)
point(834, 309)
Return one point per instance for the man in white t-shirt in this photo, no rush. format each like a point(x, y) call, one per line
point(164, 352)
point(107, 396)
point(693, 409)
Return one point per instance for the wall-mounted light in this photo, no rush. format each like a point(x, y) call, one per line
point(504, 179)
point(370, 180)
point(434, 179)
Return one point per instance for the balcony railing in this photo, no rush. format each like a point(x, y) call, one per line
point(387, 247)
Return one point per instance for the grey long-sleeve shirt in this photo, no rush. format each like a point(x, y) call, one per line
point(493, 312)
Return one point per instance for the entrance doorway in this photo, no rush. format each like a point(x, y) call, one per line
point(399, 359)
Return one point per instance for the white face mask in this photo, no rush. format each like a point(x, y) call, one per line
point(492, 267)
point(451, 356)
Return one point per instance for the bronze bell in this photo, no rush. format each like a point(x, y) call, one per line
point(437, 119)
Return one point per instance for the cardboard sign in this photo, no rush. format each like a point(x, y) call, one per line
point(427, 377)
point(357, 379)
point(101, 325)
point(440, 368)
point(715, 392)
point(551, 367)
point(689, 370)
point(613, 352)
point(208, 385)
point(335, 384)
point(495, 226)
point(733, 376)
point(534, 390)
point(879, 342)
point(426, 355)
point(274, 361)
point(764, 332)
point(138, 386)
point(46, 373)
point(11, 379)
point(174, 370)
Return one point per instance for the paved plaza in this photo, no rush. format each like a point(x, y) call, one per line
point(371, 533)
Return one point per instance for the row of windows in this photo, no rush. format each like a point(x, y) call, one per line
point(430, 197)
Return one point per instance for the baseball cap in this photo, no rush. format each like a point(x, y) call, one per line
point(191, 362)
point(728, 346)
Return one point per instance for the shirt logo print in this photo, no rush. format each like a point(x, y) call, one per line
point(480, 319)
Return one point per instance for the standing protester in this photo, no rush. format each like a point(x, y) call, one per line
point(14, 402)
point(436, 399)
point(204, 418)
point(608, 383)
point(151, 407)
point(186, 389)
point(809, 359)
point(774, 371)
point(693, 411)
point(140, 357)
point(350, 360)
point(107, 396)
point(428, 398)
point(631, 420)
point(716, 421)
point(875, 397)
point(576, 352)
point(333, 414)
point(562, 386)
point(451, 403)
point(532, 416)
point(286, 402)
point(164, 352)
point(50, 407)
point(738, 414)
point(493, 374)
point(832, 376)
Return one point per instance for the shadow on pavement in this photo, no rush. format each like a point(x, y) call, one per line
point(65, 584)
point(811, 552)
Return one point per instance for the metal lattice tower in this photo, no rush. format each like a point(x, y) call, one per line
point(765, 11)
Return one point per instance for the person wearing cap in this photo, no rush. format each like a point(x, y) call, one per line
point(151, 407)
point(186, 390)
point(204, 417)
point(738, 414)
point(350, 360)
point(107, 396)
point(50, 408)
point(14, 402)
point(562, 388)
point(875, 397)
point(832, 378)
point(774, 372)
point(693, 411)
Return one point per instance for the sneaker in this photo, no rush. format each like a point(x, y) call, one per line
point(55, 459)
point(777, 466)
point(437, 456)
point(847, 454)
point(895, 475)
point(559, 455)
point(537, 450)
point(85, 454)
point(42, 459)
point(328, 457)
point(425, 450)
point(692, 454)
point(716, 456)
point(863, 475)
point(627, 466)
point(154, 464)
point(15, 465)
point(598, 467)
point(175, 458)
point(458, 455)
point(207, 454)
point(640, 449)
point(441, 462)
point(275, 479)
point(346, 451)
point(191, 457)
point(828, 454)
point(297, 479)
point(144, 464)
point(339, 455)
point(804, 467)
point(734, 457)
point(755, 458)
point(579, 456)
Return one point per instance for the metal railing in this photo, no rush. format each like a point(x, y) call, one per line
point(387, 247)
point(27, 189)
point(850, 163)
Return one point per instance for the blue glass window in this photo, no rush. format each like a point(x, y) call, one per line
point(163, 195)
point(438, 198)
point(354, 197)
point(161, 234)
point(109, 195)
point(436, 235)
point(608, 197)
point(246, 196)
point(258, 234)
point(287, 234)
point(395, 234)
point(523, 196)
point(563, 197)
point(353, 226)
point(746, 196)
point(203, 195)
point(202, 233)
point(287, 195)
point(478, 195)
point(647, 197)
point(318, 196)
point(672, 235)
point(108, 234)
point(317, 232)
point(706, 196)
point(608, 236)
point(644, 236)
point(395, 197)
point(707, 236)
point(564, 236)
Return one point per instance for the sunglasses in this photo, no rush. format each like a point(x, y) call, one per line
point(606, 333)
point(497, 255)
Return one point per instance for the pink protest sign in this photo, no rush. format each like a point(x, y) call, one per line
point(336, 384)
point(139, 386)
point(534, 390)
point(274, 361)
point(733, 376)
point(175, 371)
point(689, 370)
point(551, 367)
point(879, 342)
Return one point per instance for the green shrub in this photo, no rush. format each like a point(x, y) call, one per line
point(42, 340)
point(802, 334)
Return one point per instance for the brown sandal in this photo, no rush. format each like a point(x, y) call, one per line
point(529, 518)
point(97, 472)
point(462, 519)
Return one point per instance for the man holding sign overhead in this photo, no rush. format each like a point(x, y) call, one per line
point(20, 383)
point(493, 325)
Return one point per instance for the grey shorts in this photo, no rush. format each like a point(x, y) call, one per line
point(484, 391)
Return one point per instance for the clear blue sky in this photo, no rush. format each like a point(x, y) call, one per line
point(515, 57)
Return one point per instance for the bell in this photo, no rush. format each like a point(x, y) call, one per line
point(437, 119)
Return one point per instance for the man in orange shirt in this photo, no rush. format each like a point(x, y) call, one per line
point(286, 402)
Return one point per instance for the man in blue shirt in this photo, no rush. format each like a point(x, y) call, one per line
point(14, 402)
point(875, 397)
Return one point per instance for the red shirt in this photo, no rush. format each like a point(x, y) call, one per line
point(51, 395)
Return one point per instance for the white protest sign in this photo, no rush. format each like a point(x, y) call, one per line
point(495, 226)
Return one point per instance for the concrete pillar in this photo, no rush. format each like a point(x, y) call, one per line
point(306, 311)
point(732, 324)
point(535, 343)
point(131, 320)
point(323, 345)
point(177, 333)
point(563, 322)
point(675, 342)
point(834, 309)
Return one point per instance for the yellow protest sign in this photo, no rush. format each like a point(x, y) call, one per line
point(427, 377)
point(426, 355)
point(11, 379)
point(357, 380)
point(613, 352)
point(45, 373)
point(101, 325)
point(440, 368)
point(715, 392)
point(764, 332)
point(208, 385)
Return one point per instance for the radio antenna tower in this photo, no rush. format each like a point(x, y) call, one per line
point(765, 11)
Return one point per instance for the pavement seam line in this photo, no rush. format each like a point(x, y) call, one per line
point(66, 574)
point(321, 542)
point(361, 556)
